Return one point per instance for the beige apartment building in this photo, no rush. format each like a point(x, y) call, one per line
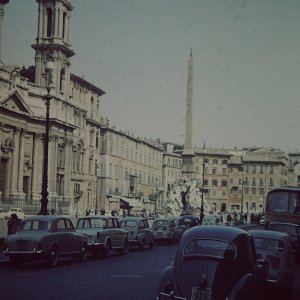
point(130, 170)
point(212, 172)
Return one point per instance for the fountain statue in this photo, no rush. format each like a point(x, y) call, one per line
point(185, 198)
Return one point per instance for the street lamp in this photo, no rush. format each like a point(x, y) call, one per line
point(49, 81)
point(242, 195)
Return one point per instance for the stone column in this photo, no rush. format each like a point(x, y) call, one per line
point(52, 170)
point(21, 164)
point(56, 27)
point(15, 165)
point(37, 159)
point(68, 187)
point(40, 21)
point(44, 32)
point(60, 24)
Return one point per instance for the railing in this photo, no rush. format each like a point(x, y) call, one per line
point(61, 207)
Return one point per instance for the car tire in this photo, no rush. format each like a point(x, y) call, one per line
point(142, 244)
point(53, 257)
point(125, 248)
point(107, 249)
point(151, 244)
point(172, 240)
point(83, 254)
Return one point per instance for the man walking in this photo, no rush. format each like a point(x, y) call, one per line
point(13, 224)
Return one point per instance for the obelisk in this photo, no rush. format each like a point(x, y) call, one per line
point(188, 153)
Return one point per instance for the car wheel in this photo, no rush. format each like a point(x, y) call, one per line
point(142, 244)
point(83, 253)
point(151, 244)
point(107, 249)
point(125, 248)
point(53, 257)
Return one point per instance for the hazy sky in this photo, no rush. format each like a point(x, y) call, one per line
point(246, 65)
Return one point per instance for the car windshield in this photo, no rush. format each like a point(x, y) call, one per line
point(268, 244)
point(34, 225)
point(91, 223)
point(183, 221)
point(128, 223)
point(211, 248)
point(160, 223)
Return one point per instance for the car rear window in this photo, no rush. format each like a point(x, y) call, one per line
point(210, 247)
point(128, 223)
point(35, 225)
point(91, 223)
point(160, 223)
point(268, 244)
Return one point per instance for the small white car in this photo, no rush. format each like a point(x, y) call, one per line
point(15, 210)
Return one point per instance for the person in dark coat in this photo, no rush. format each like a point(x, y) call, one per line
point(13, 224)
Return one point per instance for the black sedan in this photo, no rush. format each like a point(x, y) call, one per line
point(45, 237)
point(215, 263)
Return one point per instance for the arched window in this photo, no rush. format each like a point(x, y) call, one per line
point(223, 207)
point(253, 206)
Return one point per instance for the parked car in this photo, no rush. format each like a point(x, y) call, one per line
point(166, 230)
point(139, 232)
point(103, 234)
point(45, 237)
point(2, 214)
point(277, 249)
point(216, 263)
point(293, 230)
point(15, 210)
point(186, 221)
point(262, 220)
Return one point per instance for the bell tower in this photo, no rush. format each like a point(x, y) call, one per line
point(52, 43)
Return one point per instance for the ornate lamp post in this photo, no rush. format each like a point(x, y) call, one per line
point(49, 81)
point(242, 196)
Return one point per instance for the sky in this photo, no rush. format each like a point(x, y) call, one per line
point(246, 61)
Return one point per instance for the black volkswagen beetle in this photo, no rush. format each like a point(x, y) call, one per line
point(214, 263)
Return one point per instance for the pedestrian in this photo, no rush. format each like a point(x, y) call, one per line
point(13, 224)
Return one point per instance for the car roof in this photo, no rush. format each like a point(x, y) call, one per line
point(188, 217)
point(286, 188)
point(283, 223)
point(97, 217)
point(45, 217)
point(268, 234)
point(214, 232)
point(132, 218)
point(165, 219)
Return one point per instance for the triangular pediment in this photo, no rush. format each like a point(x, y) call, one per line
point(15, 103)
